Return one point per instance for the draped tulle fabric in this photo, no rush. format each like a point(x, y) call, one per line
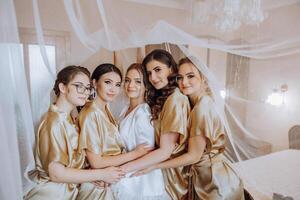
point(96, 26)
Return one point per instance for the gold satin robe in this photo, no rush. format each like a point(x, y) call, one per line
point(174, 118)
point(56, 141)
point(99, 134)
point(212, 178)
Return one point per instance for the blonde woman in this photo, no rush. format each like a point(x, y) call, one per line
point(169, 113)
point(211, 174)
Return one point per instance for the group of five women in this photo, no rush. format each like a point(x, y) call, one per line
point(168, 143)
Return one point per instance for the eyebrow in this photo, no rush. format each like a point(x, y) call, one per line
point(79, 82)
point(190, 73)
point(82, 83)
point(108, 79)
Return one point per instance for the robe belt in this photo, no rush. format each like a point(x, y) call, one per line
point(207, 160)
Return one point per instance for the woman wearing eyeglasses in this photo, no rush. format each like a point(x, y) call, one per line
point(211, 174)
point(59, 161)
point(99, 135)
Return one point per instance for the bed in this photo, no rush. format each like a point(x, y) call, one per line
point(273, 173)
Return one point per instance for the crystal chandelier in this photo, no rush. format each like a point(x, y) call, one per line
point(228, 15)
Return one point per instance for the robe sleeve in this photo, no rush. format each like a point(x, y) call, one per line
point(90, 133)
point(143, 128)
point(174, 115)
point(53, 144)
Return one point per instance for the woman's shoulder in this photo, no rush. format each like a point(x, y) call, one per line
point(51, 123)
point(204, 105)
point(54, 116)
point(177, 97)
point(50, 119)
point(143, 109)
point(206, 101)
point(87, 111)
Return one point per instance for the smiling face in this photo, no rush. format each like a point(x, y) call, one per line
point(189, 80)
point(158, 73)
point(108, 86)
point(77, 90)
point(134, 85)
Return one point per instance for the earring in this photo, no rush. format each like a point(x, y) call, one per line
point(93, 94)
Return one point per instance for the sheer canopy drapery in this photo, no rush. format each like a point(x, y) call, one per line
point(242, 66)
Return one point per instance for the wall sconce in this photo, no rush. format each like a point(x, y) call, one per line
point(223, 94)
point(277, 98)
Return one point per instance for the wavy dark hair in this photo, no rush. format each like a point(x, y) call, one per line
point(156, 98)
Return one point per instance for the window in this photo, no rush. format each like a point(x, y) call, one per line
point(39, 80)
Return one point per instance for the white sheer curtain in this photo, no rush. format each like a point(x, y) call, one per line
point(16, 128)
point(119, 28)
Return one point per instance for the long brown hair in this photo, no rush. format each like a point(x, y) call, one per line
point(67, 74)
point(139, 67)
point(156, 98)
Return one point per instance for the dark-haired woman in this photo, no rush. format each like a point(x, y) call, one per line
point(211, 174)
point(99, 135)
point(58, 158)
point(169, 110)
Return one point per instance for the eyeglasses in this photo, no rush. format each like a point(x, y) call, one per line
point(81, 89)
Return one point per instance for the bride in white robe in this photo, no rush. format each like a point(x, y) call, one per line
point(135, 128)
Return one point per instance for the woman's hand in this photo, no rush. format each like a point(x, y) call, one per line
point(142, 149)
point(112, 174)
point(143, 171)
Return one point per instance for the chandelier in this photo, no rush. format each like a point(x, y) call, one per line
point(228, 15)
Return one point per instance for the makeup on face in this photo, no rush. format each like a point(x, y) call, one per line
point(189, 79)
point(133, 85)
point(158, 74)
point(79, 90)
point(108, 86)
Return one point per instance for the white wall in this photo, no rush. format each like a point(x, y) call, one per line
point(267, 122)
point(272, 123)
point(215, 60)
point(53, 17)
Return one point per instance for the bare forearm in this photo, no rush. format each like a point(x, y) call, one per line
point(107, 161)
point(71, 175)
point(183, 160)
point(149, 159)
point(196, 148)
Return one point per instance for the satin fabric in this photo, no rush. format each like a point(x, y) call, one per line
point(56, 141)
point(98, 134)
point(135, 129)
point(174, 118)
point(212, 178)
